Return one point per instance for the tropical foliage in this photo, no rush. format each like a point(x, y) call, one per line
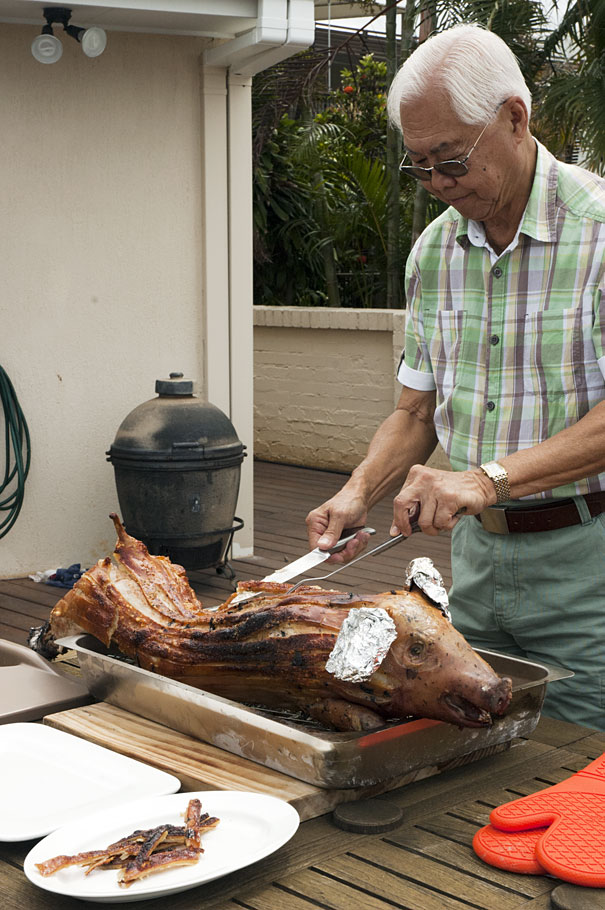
point(321, 203)
point(574, 100)
point(321, 200)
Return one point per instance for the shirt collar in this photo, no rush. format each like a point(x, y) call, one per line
point(539, 218)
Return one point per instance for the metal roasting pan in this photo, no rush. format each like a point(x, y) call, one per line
point(319, 757)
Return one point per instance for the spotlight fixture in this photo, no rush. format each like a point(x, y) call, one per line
point(93, 40)
point(47, 48)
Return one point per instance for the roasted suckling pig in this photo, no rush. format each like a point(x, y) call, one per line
point(273, 650)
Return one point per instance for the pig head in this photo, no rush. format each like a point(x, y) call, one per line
point(432, 671)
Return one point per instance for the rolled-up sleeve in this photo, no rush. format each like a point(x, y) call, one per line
point(415, 365)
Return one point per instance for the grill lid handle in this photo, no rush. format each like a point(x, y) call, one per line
point(176, 384)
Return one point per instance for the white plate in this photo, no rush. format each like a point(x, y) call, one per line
point(49, 778)
point(251, 827)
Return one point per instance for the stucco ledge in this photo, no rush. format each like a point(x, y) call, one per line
point(294, 317)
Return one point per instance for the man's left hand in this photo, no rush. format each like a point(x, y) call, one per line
point(441, 497)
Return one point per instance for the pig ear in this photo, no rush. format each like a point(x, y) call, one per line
point(421, 573)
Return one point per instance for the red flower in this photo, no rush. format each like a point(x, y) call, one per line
point(349, 89)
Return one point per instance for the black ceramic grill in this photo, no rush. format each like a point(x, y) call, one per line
point(177, 463)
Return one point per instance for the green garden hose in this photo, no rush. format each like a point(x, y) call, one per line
point(17, 455)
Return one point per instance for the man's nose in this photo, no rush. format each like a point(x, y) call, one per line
point(441, 181)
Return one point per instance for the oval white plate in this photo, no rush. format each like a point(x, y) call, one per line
point(50, 778)
point(251, 827)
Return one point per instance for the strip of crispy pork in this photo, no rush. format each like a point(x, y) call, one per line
point(145, 852)
point(273, 650)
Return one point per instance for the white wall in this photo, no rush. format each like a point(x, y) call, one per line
point(324, 379)
point(100, 273)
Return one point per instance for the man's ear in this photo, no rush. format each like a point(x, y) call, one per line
point(515, 111)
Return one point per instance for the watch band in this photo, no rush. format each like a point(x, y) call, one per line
point(497, 474)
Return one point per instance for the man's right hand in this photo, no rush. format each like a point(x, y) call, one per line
point(326, 524)
point(405, 438)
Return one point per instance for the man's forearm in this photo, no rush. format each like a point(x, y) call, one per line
point(406, 437)
point(570, 455)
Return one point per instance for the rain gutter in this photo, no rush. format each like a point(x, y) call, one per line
point(283, 28)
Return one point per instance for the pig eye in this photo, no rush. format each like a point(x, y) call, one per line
point(417, 649)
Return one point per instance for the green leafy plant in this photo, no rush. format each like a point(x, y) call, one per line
point(321, 200)
point(323, 210)
point(573, 102)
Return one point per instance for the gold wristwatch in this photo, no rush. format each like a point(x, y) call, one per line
point(499, 478)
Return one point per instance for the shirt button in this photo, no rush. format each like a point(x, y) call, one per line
point(490, 405)
point(494, 339)
point(497, 271)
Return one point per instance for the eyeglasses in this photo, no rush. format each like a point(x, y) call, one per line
point(452, 168)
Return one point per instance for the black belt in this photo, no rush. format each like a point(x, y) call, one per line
point(545, 516)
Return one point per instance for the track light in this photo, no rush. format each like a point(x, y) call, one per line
point(93, 41)
point(47, 48)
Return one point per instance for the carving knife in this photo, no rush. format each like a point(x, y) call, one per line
point(304, 564)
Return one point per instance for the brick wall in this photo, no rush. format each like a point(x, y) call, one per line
point(324, 379)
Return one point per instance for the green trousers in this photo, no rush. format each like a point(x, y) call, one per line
point(538, 595)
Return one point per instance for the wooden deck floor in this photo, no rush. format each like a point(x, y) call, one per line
point(283, 497)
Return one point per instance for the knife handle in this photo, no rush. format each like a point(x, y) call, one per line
point(347, 535)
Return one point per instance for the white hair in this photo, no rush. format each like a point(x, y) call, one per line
point(475, 68)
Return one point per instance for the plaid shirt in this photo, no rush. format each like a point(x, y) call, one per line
point(515, 349)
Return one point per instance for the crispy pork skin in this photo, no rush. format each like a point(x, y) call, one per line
point(273, 650)
point(144, 852)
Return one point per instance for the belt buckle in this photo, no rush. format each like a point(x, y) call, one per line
point(493, 520)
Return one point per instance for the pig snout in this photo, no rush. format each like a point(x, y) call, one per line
point(500, 696)
point(474, 705)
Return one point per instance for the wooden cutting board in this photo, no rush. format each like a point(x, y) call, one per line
point(200, 766)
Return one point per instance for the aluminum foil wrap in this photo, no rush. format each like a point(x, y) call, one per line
point(422, 573)
point(362, 644)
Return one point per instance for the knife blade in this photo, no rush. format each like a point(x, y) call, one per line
point(304, 563)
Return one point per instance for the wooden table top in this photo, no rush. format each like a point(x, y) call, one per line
point(427, 863)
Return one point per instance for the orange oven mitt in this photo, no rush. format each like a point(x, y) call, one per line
point(514, 851)
point(559, 831)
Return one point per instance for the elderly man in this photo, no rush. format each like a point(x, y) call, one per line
point(504, 365)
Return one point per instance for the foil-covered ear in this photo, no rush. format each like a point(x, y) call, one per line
point(422, 574)
point(362, 644)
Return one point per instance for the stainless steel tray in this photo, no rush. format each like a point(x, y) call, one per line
point(322, 758)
